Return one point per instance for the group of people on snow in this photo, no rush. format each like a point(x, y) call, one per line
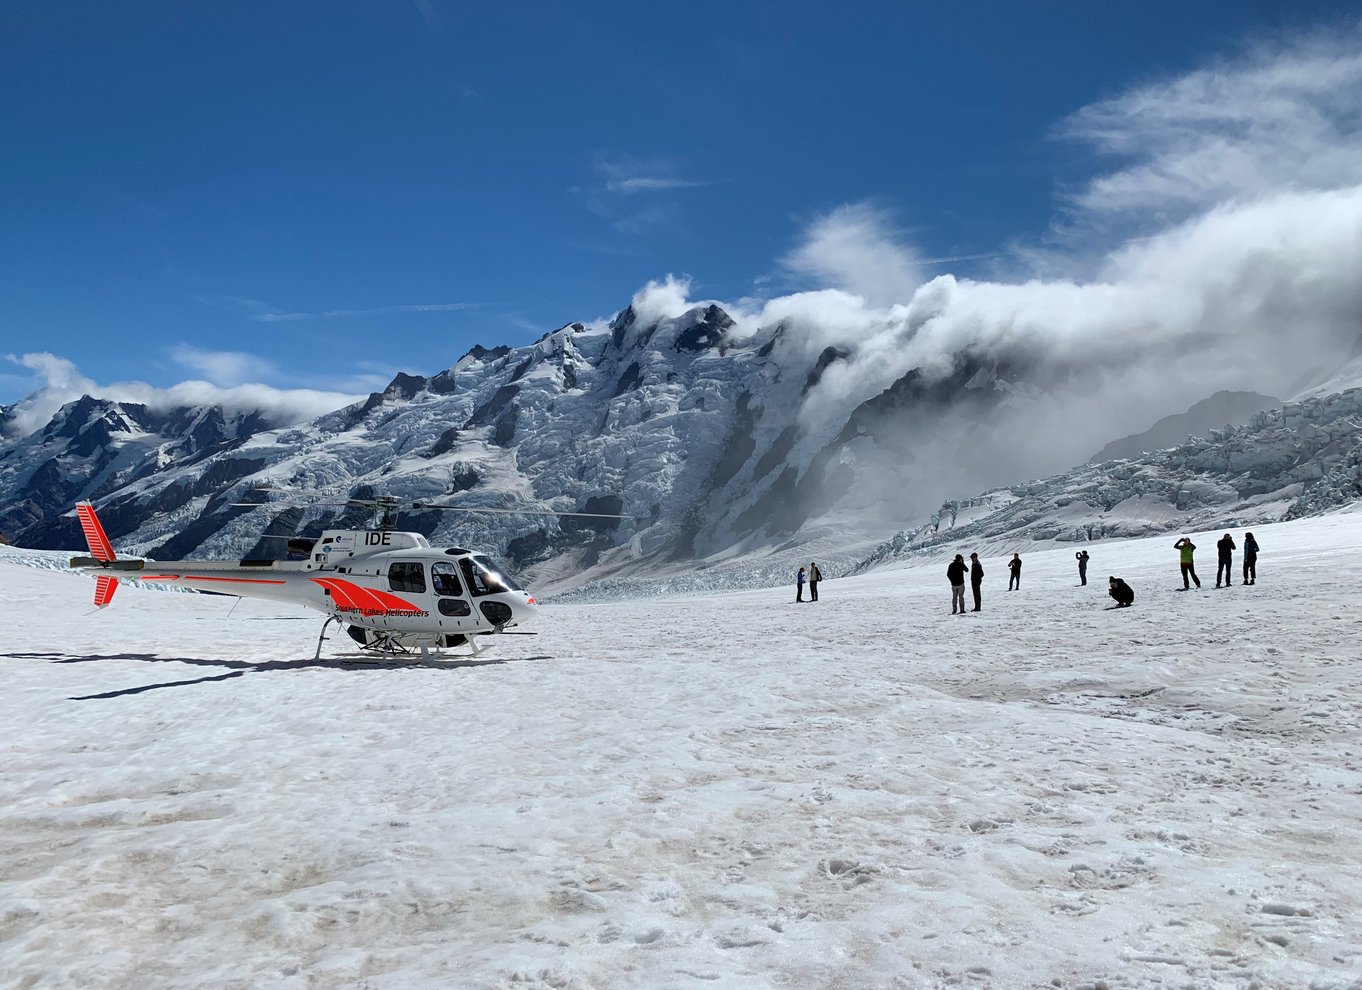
point(1122, 593)
point(813, 575)
point(1225, 548)
point(957, 570)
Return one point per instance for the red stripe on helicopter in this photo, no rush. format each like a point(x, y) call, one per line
point(105, 587)
point(366, 601)
point(198, 577)
point(98, 540)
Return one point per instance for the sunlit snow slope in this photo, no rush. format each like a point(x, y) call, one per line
point(727, 791)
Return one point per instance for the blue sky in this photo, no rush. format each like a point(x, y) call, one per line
point(317, 195)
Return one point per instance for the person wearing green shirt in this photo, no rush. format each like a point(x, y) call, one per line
point(1186, 548)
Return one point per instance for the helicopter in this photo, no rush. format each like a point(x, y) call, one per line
point(391, 591)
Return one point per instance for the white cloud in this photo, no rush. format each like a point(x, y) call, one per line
point(60, 382)
point(1244, 182)
point(226, 368)
point(53, 371)
point(628, 175)
point(1273, 121)
point(651, 183)
point(630, 194)
point(663, 300)
point(854, 248)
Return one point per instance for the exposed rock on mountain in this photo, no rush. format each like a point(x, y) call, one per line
point(1302, 459)
point(1220, 410)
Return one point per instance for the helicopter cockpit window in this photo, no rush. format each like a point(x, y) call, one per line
point(485, 577)
point(408, 577)
point(444, 577)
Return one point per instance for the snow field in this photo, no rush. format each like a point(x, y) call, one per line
point(728, 791)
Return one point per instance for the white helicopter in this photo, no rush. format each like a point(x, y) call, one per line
point(393, 591)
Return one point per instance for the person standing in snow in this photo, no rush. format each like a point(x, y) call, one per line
point(1185, 549)
point(1122, 592)
point(1082, 557)
point(815, 575)
point(976, 581)
point(955, 574)
point(799, 585)
point(1250, 559)
point(1014, 565)
point(1225, 560)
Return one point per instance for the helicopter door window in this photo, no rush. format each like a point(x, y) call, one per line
point(407, 577)
point(444, 577)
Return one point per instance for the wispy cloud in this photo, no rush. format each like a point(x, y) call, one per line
point(332, 314)
point(652, 183)
point(1270, 120)
point(225, 368)
point(856, 248)
point(629, 175)
point(636, 196)
point(237, 304)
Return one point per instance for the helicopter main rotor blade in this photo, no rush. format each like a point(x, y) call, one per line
point(298, 493)
point(423, 506)
point(293, 505)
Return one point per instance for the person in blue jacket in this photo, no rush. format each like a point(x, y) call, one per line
point(799, 585)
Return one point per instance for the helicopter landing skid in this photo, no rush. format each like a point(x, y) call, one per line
point(389, 650)
point(323, 636)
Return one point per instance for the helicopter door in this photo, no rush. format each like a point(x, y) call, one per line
point(449, 596)
point(407, 578)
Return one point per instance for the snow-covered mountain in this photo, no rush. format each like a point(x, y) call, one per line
point(1221, 409)
point(730, 449)
point(1300, 460)
point(688, 427)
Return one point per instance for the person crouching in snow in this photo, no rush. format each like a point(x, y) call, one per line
point(1122, 592)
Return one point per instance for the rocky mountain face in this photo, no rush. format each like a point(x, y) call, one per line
point(700, 434)
point(1302, 459)
point(1221, 409)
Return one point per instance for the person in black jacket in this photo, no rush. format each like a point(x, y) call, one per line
point(1122, 592)
point(955, 574)
point(976, 581)
point(1250, 559)
point(1225, 546)
point(1082, 557)
point(815, 575)
point(1014, 565)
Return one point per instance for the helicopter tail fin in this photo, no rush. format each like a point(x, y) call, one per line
point(105, 587)
point(101, 549)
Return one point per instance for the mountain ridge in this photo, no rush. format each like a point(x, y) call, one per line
point(697, 428)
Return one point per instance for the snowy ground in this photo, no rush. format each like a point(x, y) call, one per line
point(727, 792)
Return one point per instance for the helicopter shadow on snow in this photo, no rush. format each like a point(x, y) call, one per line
point(240, 667)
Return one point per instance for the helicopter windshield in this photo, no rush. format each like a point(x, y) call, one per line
point(484, 577)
